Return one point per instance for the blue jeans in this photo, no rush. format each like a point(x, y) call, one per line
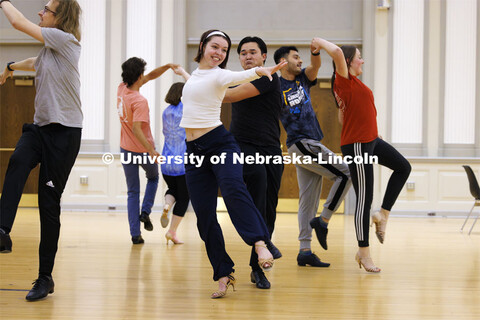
point(203, 183)
point(133, 185)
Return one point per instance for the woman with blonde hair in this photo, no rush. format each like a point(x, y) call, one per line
point(53, 140)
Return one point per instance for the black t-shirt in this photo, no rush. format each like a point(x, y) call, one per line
point(256, 120)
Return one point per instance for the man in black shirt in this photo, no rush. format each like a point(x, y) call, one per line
point(255, 125)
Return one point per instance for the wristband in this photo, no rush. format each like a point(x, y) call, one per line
point(10, 63)
point(315, 54)
point(3, 1)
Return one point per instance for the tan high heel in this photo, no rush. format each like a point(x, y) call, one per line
point(172, 236)
point(164, 218)
point(367, 264)
point(263, 262)
point(380, 221)
point(230, 282)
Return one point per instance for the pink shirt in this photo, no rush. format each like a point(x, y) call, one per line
point(133, 107)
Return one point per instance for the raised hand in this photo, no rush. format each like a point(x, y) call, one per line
point(172, 66)
point(316, 45)
point(4, 76)
point(268, 71)
point(181, 72)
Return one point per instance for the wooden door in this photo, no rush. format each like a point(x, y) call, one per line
point(17, 98)
point(326, 111)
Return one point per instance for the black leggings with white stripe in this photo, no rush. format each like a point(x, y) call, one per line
point(362, 179)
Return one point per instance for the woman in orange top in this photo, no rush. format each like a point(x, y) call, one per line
point(357, 114)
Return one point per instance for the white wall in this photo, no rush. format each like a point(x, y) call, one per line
point(440, 183)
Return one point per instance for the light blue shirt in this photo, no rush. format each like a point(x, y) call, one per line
point(174, 140)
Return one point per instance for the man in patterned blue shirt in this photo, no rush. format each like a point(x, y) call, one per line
point(303, 138)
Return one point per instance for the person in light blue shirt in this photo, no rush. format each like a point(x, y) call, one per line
point(173, 171)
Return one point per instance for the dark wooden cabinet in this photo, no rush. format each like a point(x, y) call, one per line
point(17, 97)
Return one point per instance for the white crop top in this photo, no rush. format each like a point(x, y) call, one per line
point(203, 94)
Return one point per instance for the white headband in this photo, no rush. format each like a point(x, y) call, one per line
point(216, 33)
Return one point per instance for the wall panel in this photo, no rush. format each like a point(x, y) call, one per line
point(92, 68)
point(460, 66)
point(407, 78)
point(142, 43)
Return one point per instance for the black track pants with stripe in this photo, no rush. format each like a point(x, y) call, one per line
point(362, 179)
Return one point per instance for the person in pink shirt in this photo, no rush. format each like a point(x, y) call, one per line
point(136, 141)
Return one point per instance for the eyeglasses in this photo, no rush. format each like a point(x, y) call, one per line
point(45, 9)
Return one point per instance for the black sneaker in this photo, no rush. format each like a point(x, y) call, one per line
point(5, 242)
point(273, 250)
point(41, 288)
point(321, 232)
point(260, 280)
point(147, 224)
point(138, 240)
point(312, 260)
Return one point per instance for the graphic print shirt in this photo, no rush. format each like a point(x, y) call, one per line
point(297, 116)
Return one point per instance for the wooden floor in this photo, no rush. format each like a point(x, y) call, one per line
point(429, 271)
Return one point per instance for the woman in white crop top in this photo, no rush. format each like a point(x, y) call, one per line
point(210, 149)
